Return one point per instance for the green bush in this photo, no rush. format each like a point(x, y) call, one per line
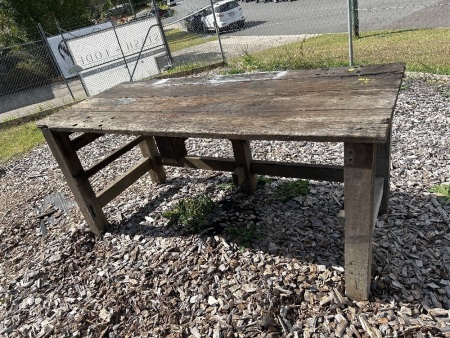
point(290, 189)
point(190, 213)
point(442, 193)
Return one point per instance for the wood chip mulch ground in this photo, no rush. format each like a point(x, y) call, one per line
point(262, 267)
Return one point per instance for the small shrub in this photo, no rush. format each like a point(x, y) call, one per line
point(444, 92)
point(290, 189)
point(442, 193)
point(190, 213)
point(405, 86)
point(262, 181)
point(227, 186)
point(250, 63)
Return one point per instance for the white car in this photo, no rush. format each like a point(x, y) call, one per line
point(228, 14)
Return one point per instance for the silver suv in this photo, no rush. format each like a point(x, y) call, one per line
point(228, 14)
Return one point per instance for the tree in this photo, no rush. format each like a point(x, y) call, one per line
point(10, 32)
point(48, 13)
point(98, 8)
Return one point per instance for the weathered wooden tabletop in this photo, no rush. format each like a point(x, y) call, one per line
point(349, 104)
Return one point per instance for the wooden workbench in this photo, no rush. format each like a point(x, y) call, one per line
point(350, 105)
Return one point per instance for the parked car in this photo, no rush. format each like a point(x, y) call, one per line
point(228, 14)
point(163, 13)
point(194, 23)
point(144, 14)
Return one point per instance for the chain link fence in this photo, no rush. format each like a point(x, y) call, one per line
point(403, 14)
point(202, 33)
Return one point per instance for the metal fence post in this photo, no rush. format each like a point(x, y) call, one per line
point(70, 54)
point(355, 18)
point(158, 19)
point(217, 30)
point(350, 37)
point(121, 51)
point(52, 57)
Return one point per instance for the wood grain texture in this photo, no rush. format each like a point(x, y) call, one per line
point(172, 149)
point(71, 167)
point(243, 158)
point(359, 194)
point(83, 140)
point(383, 170)
point(321, 172)
point(109, 159)
point(341, 105)
point(150, 151)
point(123, 182)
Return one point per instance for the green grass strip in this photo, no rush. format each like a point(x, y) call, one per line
point(18, 140)
point(424, 50)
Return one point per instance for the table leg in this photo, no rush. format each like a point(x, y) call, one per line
point(359, 182)
point(243, 157)
point(149, 150)
point(383, 169)
point(71, 167)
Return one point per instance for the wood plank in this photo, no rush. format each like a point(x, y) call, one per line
point(320, 172)
point(121, 183)
point(83, 140)
point(171, 148)
point(238, 176)
point(243, 158)
point(378, 191)
point(109, 159)
point(359, 179)
point(378, 195)
point(310, 75)
point(71, 167)
point(205, 163)
point(383, 169)
point(325, 128)
point(270, 100)
point(224, 86)
point(150, 151)
point(336, 105)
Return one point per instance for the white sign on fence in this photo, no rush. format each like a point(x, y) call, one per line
point(61, 52)
point(124, 53)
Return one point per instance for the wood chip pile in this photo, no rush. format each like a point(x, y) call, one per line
point(262, 268)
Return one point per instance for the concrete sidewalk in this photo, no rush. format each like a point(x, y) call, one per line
point(36, 102)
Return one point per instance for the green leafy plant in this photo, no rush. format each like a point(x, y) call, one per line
point(244, 234)
point(227, 186)
point(445, 92)
point(442, 192)
point(262, 181)
point(290, 189)
point(250, 63)
point(190, 213)
point(405, 86)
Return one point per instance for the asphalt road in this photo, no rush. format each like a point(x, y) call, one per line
point(330, 16)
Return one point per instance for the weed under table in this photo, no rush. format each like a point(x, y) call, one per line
point(350, 105)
